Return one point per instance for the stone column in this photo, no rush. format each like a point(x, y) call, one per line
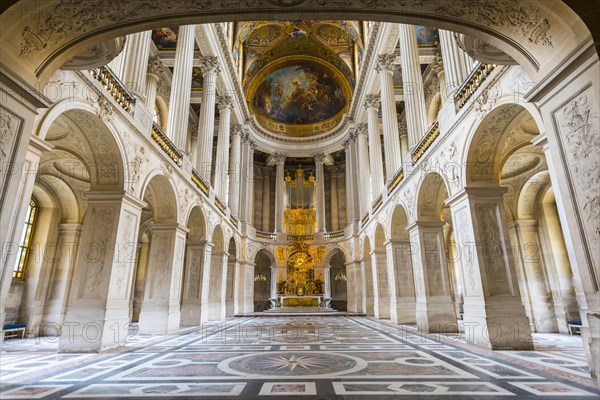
point(375, 155)
point(215, 299)
point(404, 144)
point(354, 286)
point(181, 86)
point(250, 187)
point(335, 217)
point(352, 178)
point(206, 122)
point(55, 307)
point(161, 310)
point(245, 177)
point(393, 156)
point(494, 316)
point(566, 299)
point(457, 64)
point(98, 312)
point(195, 254)
point(153, 75)
point(327, 281)
point(401, 282)
point(235, 169)
point(412, 85)
point(279, 191)
point(222, 162)
point(266, 200)
point(533, 266)
point(247, 200)
point(206, 281)
point(435, 309)
point(380, 284)
point(364, 169)
point(437, 66)
point(320, 177)
point(135, 62)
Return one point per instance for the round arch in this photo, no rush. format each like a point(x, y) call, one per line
point(160, 192)
point(432, 192)
point(96, 145)
point(484, 156)
point(41, 48)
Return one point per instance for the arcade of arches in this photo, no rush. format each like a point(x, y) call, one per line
point(379, 176)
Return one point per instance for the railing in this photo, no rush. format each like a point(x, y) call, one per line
point(301, 237)
point(220, 206)
point(334, 235)
point(165, 144)
point(115, 87)
point(475, 79)
point(426, 142)
point(399, 177)
point(364, 219)
point(266, 235)
point(234, 221)
point(377, 203)
point(199, 182)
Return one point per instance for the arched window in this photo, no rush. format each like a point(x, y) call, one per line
point(25, 244)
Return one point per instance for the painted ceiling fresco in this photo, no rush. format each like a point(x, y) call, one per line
point(302, 93)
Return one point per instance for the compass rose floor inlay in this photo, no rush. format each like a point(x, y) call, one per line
point(302, 357)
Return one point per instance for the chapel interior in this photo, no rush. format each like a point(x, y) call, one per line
point(344, 199)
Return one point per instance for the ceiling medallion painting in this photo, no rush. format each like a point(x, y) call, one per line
point(299, 96)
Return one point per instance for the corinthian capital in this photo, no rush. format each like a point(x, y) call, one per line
point(279, 158)
point(209, 64)
point(236, 129)
point(385, 62)
point(372, 101)
point(320, 157)
point(156, 66)
point(362, 129)
point(224, 102)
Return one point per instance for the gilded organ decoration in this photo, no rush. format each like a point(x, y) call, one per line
point(300, 214)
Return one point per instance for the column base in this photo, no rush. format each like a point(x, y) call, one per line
point(590, 336)
point(382, 308)
point(159, 319)
point(501, 326)
point(403, 311)
point(91, 330)
point(215, 311)
point(436, 315)
point(190, 313)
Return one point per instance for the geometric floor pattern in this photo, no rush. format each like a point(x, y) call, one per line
point(308, 358)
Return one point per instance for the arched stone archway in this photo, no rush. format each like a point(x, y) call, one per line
point(368, 296)
point(264, 290)
point(195, 260)
point(435, 312)
point(380, 271)
point(213, 305)
point(399, 257)
point(87, 158)
point(230, 282)
point(161, 311)
point(338, 286)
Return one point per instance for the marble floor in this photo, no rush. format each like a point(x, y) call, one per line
point(312, 358)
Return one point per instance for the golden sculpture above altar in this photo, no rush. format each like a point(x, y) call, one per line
point(300, 274)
